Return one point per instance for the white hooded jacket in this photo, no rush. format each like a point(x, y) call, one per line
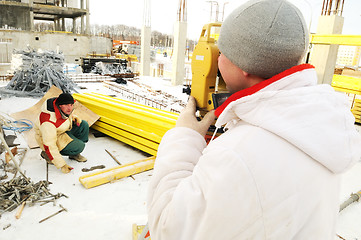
point(274, 174)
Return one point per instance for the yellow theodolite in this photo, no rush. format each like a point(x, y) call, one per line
point(207, 87)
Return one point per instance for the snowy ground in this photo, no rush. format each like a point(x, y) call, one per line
point(109, 211)
point(104, 212)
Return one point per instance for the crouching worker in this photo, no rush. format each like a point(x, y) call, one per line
point(59, 132)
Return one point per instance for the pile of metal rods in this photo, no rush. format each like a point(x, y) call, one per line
point(37, 72)
point(20, 189)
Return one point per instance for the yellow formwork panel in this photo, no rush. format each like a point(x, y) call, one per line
point(123, 110)
point(161, 112)
point(345, 90)
point(132, 123)
point(164, 116)
point(137, 131)
point(346, 84)
point(115, 173)
point(356, 111)
point(129, 135)
point(338, 39)
point(128, 117)
point(126, 140)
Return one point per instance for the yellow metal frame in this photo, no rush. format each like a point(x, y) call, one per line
point(339, 39)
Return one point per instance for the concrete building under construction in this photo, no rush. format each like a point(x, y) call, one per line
point(17, 19)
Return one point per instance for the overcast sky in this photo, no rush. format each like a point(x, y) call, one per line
point(164, 13)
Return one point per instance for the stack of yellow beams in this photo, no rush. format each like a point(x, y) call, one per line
point(132, 123)
point(346, 84)
point(356, 110)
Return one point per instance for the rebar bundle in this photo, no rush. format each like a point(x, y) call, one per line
point(14, 192)
point(37, 72)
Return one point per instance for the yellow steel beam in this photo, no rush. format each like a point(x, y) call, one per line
point(160, 112)
point(134, 107)
point(346, 84)
point(133, 129)
point(124, 110)
point(129, 135)
point(125, 140)
point(125, 115)
point(127, 119)
point(112, 174)
point(339, 39)
point(132, 123)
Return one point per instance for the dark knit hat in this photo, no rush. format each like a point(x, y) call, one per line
point(264, 37)
point(65, 98)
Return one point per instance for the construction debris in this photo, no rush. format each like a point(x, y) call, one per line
point(92, 168)
point(52, 215)
point(18, 190)
point(35, 72)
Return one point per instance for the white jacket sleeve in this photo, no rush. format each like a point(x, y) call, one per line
point(194, 195)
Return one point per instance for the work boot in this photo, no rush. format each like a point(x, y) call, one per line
point(45, 156)
point(78, 158)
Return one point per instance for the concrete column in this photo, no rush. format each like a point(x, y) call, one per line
point(82, 31)
point(324, 56)
point(56, 24)
point(87, 29)
point(178, 58)
point(63, 24)
point(74, 25)
point(31, 4)
point(145, 51)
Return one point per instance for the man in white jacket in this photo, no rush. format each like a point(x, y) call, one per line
point(274, 174)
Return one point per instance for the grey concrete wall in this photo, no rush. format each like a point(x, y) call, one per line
point(16, 17)
point(101, 45)
point(73, 46)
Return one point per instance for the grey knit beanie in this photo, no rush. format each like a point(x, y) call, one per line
point(264, 37)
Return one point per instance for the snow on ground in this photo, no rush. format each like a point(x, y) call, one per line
point(109, 211)
point(104, 212)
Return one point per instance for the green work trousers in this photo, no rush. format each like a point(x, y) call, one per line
point(80, 135)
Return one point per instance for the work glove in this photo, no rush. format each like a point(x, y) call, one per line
point(66, 168)
point(187, 118)
point(76, 120)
